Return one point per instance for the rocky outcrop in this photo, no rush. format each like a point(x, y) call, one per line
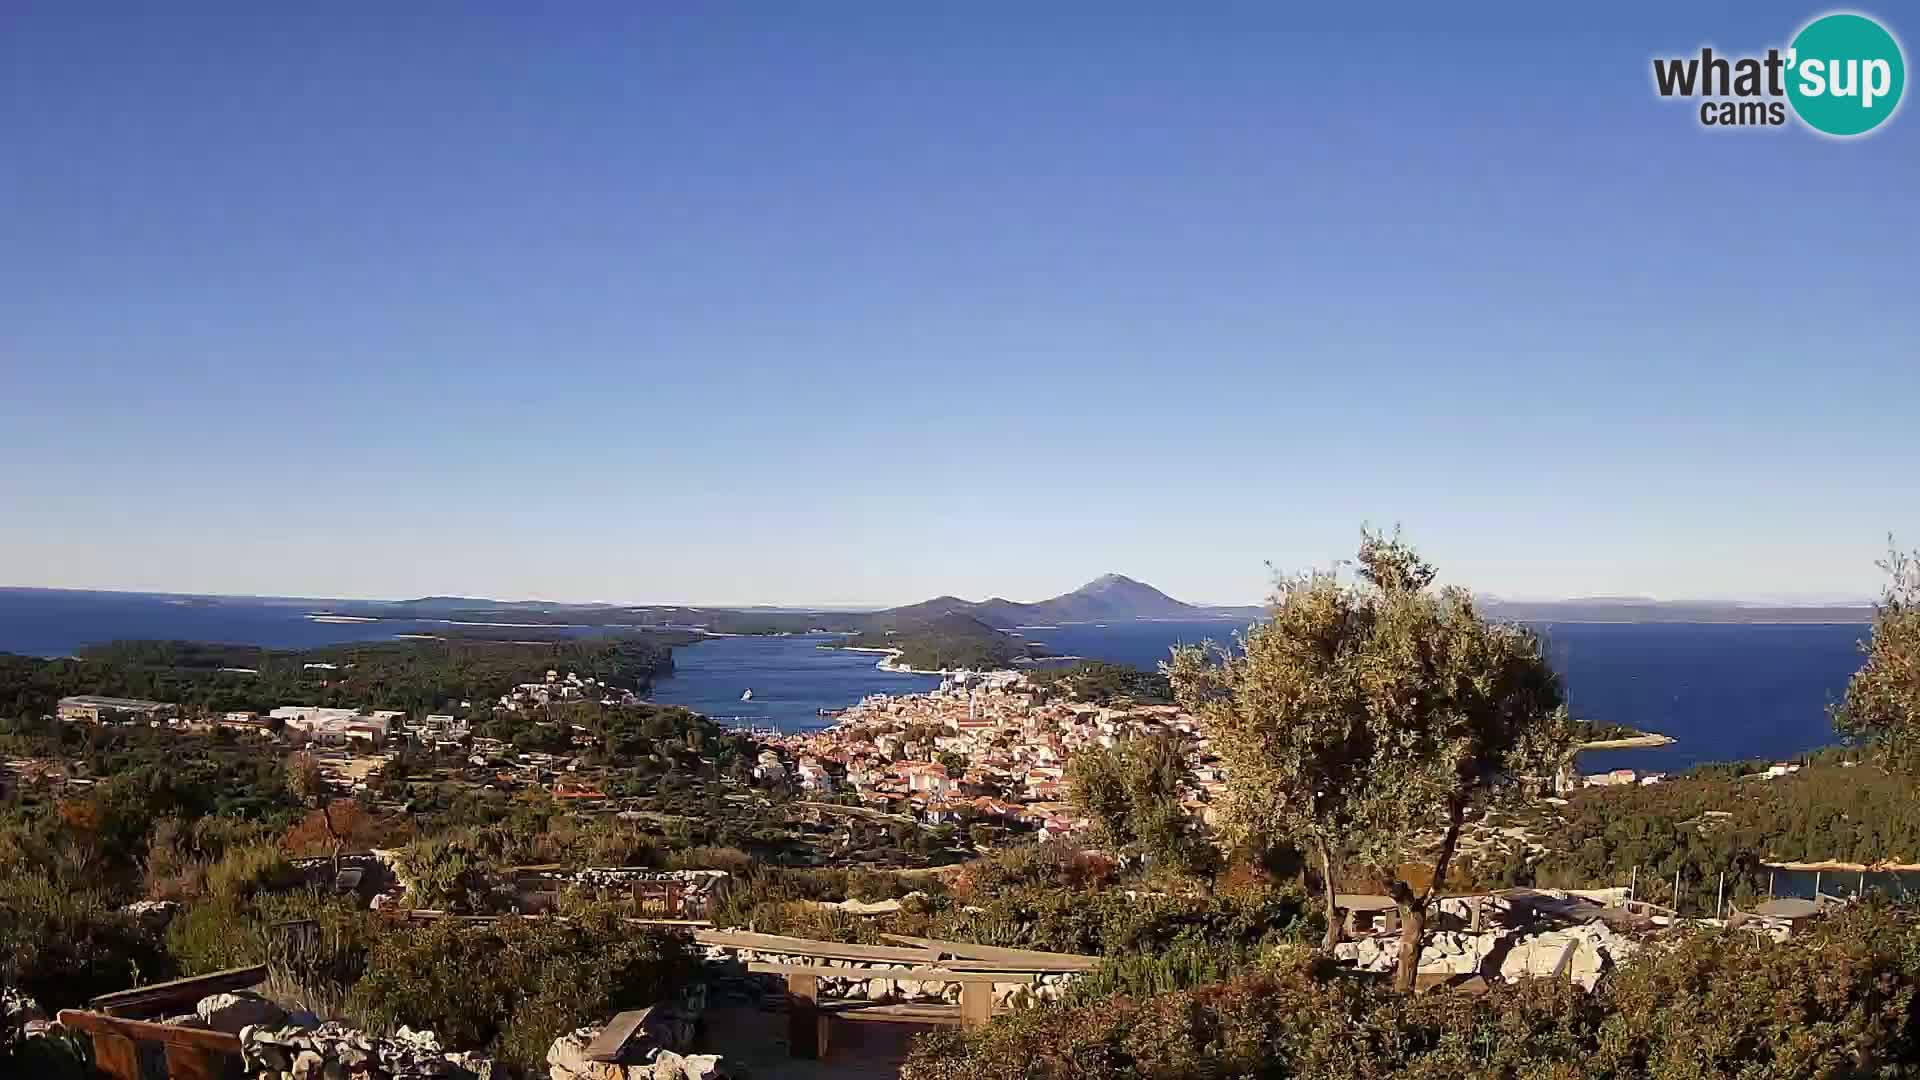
point(659, 1049)
point(334, 1050)
point(19, 1014)
point(1589, 950)
point(152, 915)
point(567, 1060)
point(231, 1012)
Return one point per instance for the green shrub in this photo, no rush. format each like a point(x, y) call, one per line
point(250, 869)
point(52, 1057)
point(731, 859)
point(514, 986)
point(214, 935)
point(1837, 1002)
point(315, 972)
point(62, 944)
point(453, 872)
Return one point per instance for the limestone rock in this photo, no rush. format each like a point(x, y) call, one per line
point(231, 1012)
point(307, 1066)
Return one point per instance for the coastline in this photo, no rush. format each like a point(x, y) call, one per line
point(1645, 741)
point(888, 657)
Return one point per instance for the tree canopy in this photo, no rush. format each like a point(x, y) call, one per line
point(1365, 716)
point(1132, 793)
point(1882, 705)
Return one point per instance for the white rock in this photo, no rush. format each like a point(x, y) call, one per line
point(231, 1012)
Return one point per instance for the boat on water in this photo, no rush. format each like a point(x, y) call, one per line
point(746, 695)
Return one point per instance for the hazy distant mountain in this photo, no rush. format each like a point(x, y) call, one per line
point(1107, 598)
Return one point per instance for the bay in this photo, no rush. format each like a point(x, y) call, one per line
point(1725, 691)
point(792, 679)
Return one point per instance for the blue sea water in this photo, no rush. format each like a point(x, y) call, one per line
point(792, 679)
point(55, 622)
point(1724, 691)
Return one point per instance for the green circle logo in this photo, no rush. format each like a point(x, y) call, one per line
point(1845, 74)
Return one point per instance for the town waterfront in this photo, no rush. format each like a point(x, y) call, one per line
point(1724, 691)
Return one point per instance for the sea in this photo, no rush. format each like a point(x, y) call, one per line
point(1724, 691)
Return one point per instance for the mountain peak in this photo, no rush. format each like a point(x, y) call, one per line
point(1109, 596)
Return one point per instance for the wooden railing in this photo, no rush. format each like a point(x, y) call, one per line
point(180, 995)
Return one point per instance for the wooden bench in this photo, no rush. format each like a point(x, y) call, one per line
point(119, 1024)
point(808, 1018)
point(975, 967)
point(191, 1053)
point(969, 957)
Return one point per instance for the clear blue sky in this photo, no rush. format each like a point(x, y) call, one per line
point(818, 303)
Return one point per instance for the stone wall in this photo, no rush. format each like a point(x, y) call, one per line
point(1505, 953)
point(334, 1050)
point(661, 1048)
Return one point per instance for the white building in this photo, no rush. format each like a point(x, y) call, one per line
point(338, 726)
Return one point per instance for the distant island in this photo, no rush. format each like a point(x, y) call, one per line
point(1607, 609)
point(949, 641)
point(1110, 597)
point(1107, 598)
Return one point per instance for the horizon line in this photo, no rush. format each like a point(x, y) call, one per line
point(1757, 600)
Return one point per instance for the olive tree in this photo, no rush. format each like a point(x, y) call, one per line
point(1132, 793)
point(1882, 705)
point(309, 785)
point(1365, 718)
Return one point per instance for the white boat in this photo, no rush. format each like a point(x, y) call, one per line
point(746, 695)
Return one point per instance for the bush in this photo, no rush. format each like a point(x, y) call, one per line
point(1839, 1002)
point(317, 975)
point(454, 872)
point(249, 870)
point(514, 986)
point(51, 1057)
point(62, 945)
point(731, 859)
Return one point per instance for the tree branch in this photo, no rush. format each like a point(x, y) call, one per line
point(1456, 815)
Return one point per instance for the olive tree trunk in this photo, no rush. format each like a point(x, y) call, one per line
point(326, 814)
point(1334, 927)
point(1415, 906)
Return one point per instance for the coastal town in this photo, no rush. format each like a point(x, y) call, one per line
point(982, 746)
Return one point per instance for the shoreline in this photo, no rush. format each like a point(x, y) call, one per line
point(1644, 741)
point(888, 656)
